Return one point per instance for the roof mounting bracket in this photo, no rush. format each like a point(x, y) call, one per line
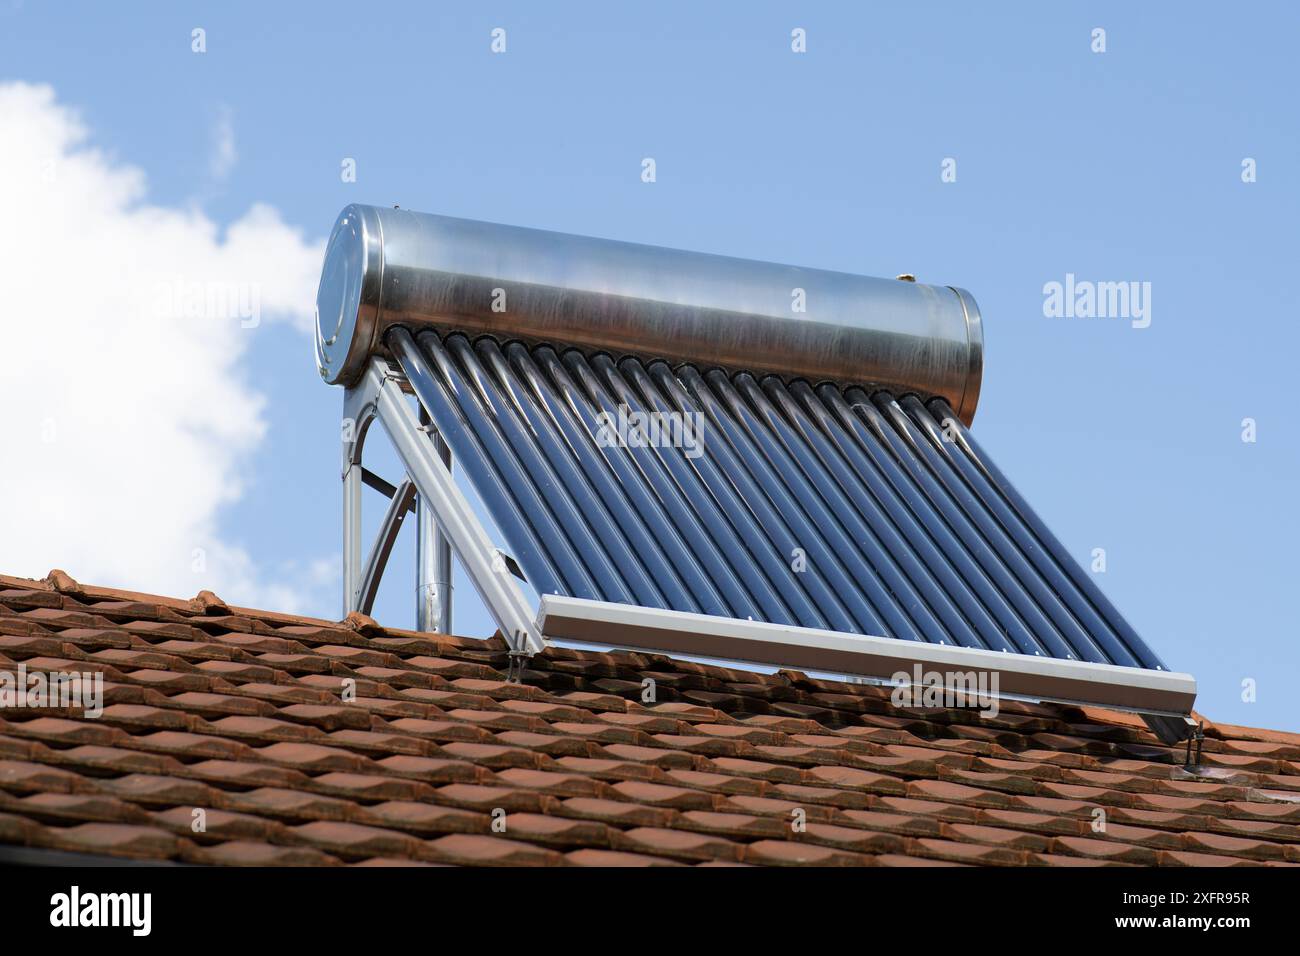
point(1195, 735)
point(378, 396)
point(1171, 729)
point(518, 659)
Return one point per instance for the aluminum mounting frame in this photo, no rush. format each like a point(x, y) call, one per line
point(1038, 678)
point(379, 396)
point(1163, 699)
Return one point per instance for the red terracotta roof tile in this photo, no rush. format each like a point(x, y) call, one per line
point(19, 776)
point(248, 853)
point(554, 784)
point(62, 808)
point(977, 853)
point(432, 770)
point(593, 857)
point(220, 825)
point(1102, 850)
point(659, 795)
point(559, 832)
point(618, 812)
point(477, 850)
point(291, 805)
point(732, 825)
point(785, 853)
point(152, 790)
point(486, 798)
point(1184, 858)
point(679, 844)
point(354, 841)
point(115, 760)
point(116, 839)
point(425, 819)
point(227, 739)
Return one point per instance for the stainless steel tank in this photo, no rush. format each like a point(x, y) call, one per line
point(386, 267)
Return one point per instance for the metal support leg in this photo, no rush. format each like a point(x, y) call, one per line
point(351, 537)
point(358, 412)
point(432, 555)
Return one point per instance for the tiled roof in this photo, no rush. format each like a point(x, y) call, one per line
point(241, 714)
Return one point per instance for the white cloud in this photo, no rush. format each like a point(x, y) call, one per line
point(128, 423)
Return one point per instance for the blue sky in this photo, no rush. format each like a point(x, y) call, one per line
point(1119, 166)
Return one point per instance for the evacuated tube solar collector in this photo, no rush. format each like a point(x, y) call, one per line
point(835, 408)
point(386, 267)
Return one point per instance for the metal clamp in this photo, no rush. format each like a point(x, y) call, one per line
point(1198, 736)
point(518, 660)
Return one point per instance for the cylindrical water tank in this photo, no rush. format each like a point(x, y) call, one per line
point(386, 267)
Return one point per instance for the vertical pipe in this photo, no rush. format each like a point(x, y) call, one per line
point(861, 496)
point(432, 553)
point(351, 536)
point(442, 549)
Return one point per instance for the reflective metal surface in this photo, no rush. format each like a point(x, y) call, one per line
point(386, 267)
point(433, 569)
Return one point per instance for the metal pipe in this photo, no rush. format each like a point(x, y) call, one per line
point(389, 528)
point(1067, 639)
point(1101, 643)
point(894, 448)
point(714, 517)
point(769, 577)
point(386, 267)
point(901, 608)
point(865, 616)
point(876, 543)
point(806, 591)
point(432, 553)
point(351, 537)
